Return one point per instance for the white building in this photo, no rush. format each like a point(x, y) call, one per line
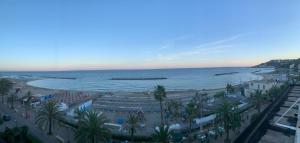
point(81, 106)
point(276, 77)
point(280, 77)
point(263, 85)
point(292, 66)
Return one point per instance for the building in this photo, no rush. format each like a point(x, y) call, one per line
point(263, 85)
point(82, 106)
point(71, 101)
point(276, 77)
point(43, 97)
point(280, 77)
point(292, 66)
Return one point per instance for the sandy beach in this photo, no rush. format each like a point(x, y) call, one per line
point(117, 105)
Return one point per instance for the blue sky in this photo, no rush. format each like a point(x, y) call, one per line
point(137, 34)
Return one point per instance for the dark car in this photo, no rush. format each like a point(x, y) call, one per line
point(6, 117)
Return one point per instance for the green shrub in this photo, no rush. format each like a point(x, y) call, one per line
point(1, 121)
point(136, 138)
point(33, 139)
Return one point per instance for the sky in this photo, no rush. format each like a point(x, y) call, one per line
point(146, 34)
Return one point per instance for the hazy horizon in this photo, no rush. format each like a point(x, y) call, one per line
point(55, 35)
point(116, 69)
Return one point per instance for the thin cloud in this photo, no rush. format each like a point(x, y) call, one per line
point(222, 41)
point(169, 44)
point(194, 52)
point(213, 47)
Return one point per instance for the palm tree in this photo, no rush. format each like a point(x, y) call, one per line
point(242, 90)
point(191, 113)
point(79, 114)
point(91, 128)
point(162, 134)
point(159, 95)
point(13, 96)
point(229, 88)
point(257, 99)
point(49, 114)
point(228, 116)
point(5, 86)
point(220, 94)
point(132, 123)
point(27, 103)
point(199, 100)
point(273, 92)
point(174, 108)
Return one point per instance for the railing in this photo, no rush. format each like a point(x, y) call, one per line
point(254, 131)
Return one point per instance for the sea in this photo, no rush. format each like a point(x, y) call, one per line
point(172, 79)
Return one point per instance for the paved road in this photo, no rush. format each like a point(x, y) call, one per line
point(17, 120)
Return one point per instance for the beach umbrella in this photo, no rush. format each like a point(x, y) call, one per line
point(120, 120)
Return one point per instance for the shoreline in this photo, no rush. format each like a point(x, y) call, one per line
point(23, 82)
point(192, 86)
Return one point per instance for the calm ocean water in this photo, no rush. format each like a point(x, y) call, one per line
point(177, 79)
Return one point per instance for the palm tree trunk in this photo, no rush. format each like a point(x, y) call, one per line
point(190, 124)
point(12, 102)
point(131, 134)
point(50, 126)
point(227, 136)
point(93, 139)
point(2, 99)
point(161, 113)
point(26, 112)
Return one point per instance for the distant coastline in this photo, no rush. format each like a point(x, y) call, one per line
point(256, 71)
point(228, 73)
point(142, 78)
point(71, 78)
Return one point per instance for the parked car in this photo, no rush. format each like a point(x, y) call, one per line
point(6, 117)
point(212, 133)
point(221, 130)
point(202, 137)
